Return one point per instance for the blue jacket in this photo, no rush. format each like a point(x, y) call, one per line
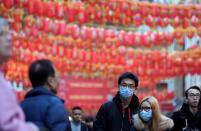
point(46, 110)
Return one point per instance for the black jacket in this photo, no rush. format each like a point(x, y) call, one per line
point(83, 127)
point(180, 117)
point(46, 110)
point(198, 123)
point(112, 117)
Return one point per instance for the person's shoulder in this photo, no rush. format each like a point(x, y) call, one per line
point(108, 104)
point(178, 113)
point(55, 100)
point(137, 122)
point(166, 119)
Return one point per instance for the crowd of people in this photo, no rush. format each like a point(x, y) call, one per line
point(42, 110)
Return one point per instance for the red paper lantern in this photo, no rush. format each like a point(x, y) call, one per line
point(160, 22)
point(191, 34)
point(30, 6)
point(181, 41)
point(137, 20)
point(96, 14)
point(17, 15)
point(62, 28)
point(181, 11)
point(131, 38)
point(186, 23)
point(178, 34)
point(109, 14)
point(17, 3)
point(158, 38)
point(59, 10)
point(144, 9)
point(16, 26)
point(39, 8)
point(46, 25)
point(81, 16)
point(163, 11)
point(188, 11)
point(49, 10)
point(150, 21)
point(154, 10)
point(199, 32)
point(56, 28)
point(173, 12)
point(71, 14)
point(8, 3)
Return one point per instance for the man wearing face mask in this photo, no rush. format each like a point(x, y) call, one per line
point(116, 114)
point(41, 105)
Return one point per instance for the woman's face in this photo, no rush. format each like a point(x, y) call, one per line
point(145, 111)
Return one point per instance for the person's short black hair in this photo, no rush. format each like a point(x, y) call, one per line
point(76, 108)
point(130, 76)
point(39, 71)
point(192, 87)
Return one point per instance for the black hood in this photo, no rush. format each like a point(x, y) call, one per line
point(133, 105)
point(38, 91)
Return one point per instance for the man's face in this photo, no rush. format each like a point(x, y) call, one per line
point(193, 98)
point(127, 88)
point(77, 115)
point(5, 43)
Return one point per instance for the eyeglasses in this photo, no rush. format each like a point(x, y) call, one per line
point(197, 95)
point(128, 85)
point(145, 108)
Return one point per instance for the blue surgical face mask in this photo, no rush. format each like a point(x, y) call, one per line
point(125, 92)
point(146, 115)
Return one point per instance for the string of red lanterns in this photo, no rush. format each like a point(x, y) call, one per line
point(114, 12)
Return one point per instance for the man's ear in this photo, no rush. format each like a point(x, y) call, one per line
point(186, 100)
point(49, 80)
